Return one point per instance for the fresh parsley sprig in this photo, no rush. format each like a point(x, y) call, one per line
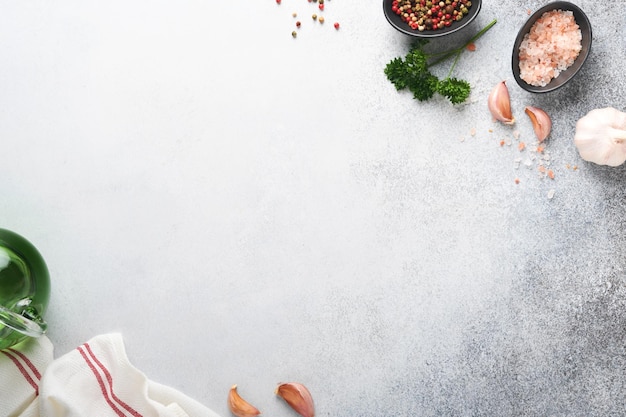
point(413, 72)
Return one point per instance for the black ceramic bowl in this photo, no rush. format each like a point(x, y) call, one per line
point(396, 21)
point(569, 73)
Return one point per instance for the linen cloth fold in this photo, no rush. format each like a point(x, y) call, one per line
point(95, 379)
point(21, 369)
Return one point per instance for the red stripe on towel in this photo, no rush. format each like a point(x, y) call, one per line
point(27, 362)
point(105, 394)
point(23, 371)
point(109, 395)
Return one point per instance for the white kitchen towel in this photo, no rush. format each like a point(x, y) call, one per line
point(95, 379)
point(21, 370)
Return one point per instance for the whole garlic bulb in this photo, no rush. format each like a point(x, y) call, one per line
point(601, 137)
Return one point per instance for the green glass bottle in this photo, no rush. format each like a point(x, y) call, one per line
point(24, 290)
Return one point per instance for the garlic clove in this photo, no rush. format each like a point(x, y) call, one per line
point(542, 124)
point(601, 137)
point(499, 103)
point(240, 407)
point(298, 397)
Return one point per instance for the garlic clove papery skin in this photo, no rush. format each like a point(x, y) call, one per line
point(542, 124)
point(601, 137)
point(298, 397)
point(499, 103)
point(240, 407)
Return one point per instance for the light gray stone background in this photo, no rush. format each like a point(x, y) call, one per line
point(250, 208)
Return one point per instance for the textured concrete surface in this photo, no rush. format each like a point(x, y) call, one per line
point(250, 208)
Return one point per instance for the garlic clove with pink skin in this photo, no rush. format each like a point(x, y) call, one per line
point(601, 137)
point(542, 124)
point(298, 397)
point(499, 103)
point(240, 407)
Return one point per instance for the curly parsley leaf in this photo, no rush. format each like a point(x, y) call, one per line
point(423, 86)
point(416, 58)
point(457, 91)
point(396, 73)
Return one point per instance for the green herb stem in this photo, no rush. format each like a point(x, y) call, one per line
point(456, 59)
point(457, 51)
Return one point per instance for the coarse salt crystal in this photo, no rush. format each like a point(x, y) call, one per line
point(551, 46)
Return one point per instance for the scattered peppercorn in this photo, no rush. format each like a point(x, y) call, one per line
point(319, 18)
point(294, 34)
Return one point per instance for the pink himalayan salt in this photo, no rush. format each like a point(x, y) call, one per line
point(551, 46)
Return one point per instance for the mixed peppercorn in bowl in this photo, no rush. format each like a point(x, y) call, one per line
point(430, 18)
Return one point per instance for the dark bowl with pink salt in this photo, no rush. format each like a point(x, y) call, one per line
point(551, 47)
point(413, 22)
